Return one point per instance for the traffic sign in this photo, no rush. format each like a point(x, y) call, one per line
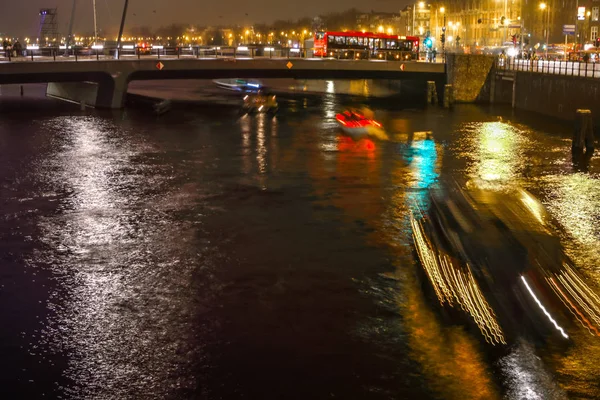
point(568, 29)
point(160, 66)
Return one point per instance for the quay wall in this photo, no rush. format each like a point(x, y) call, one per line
point(556, 96)
point(476, 80)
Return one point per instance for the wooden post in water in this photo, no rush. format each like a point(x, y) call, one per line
point(431, 92)
point(583, 138)
point(448, 95)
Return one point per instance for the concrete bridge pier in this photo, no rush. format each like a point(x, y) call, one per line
point(112, 93)
point(108, 92)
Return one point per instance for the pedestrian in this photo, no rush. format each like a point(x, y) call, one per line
point(5, 45)
point(18, 48)
point(586, 58)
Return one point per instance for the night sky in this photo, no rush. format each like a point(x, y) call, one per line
point(20, 17)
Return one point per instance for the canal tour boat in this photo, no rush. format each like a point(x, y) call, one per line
point(239, 85)
point(357, 125)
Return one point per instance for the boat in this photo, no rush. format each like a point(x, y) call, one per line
point(239, 85)
point(493, 256)
point(355, 124)
point(162, 107)
point(260, 103)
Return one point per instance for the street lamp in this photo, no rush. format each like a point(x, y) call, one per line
point(437, 25)
point(544, 7)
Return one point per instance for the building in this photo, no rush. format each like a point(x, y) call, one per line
point(405, 23)
point(543, 21)
point(482, 22)
point(422, 19)
point(490, 23)
point(379, 22)
point(588, 22)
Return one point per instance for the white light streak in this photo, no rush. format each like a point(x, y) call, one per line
point(543, 309)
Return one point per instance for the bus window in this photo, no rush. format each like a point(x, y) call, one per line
point(352, 41)
point(331, 39)
point(361, 41)
point(320, 35)
point(341, 40)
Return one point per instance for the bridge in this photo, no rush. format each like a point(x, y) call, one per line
point(102, 81)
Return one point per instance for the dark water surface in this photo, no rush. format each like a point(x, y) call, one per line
point(210, 255)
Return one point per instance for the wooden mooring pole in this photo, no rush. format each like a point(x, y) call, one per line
point(448, 95)
point(431, 92)
point(583, 138)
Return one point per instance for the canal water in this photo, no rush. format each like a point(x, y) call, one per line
point(206, 254)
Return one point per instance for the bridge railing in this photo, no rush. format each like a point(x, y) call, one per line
point(199, 52)
point(558, 67)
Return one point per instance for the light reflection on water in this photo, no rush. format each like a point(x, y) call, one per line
point(574, 199)
point(497, 150)
point(117, 314)
point(209, 265)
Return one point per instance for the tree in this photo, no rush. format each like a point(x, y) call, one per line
point(141, 31)
point(172, 30)
point(214, 36)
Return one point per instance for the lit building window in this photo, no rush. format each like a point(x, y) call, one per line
point(594, 33)
point(595, 12)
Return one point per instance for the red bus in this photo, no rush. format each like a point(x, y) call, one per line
point(366, 45)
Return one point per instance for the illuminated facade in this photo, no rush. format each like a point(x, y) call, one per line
point(588, 23)
point(417, 20)
point(482, 22)
point(494, 22)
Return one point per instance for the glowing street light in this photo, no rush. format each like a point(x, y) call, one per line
point(421, 4)
point(380, 28)
point(442, 10)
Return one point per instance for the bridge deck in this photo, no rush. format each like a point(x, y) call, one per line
point(197, 68)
